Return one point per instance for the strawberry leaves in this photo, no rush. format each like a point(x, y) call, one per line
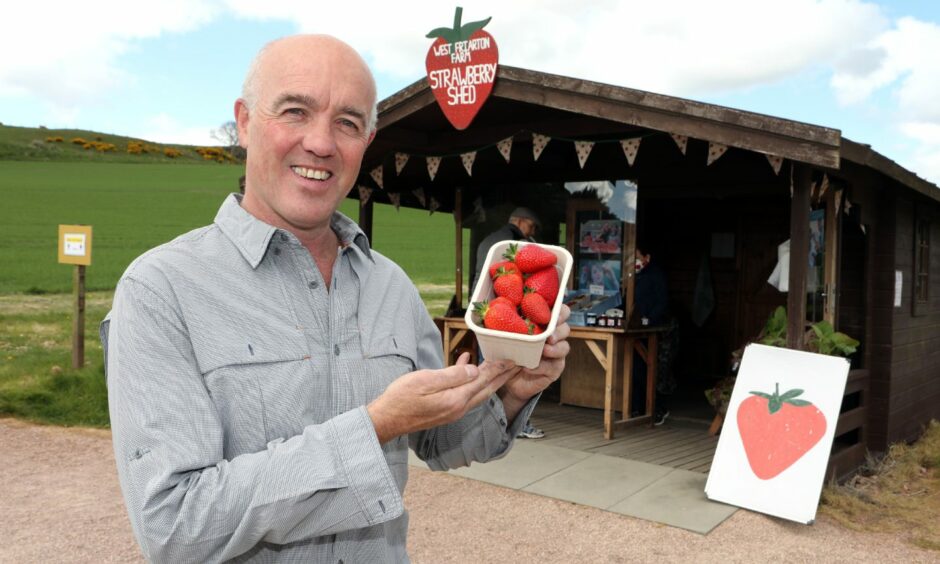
point(776, 400)
point(458, 32)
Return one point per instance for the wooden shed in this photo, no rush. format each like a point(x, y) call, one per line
point(718, 190)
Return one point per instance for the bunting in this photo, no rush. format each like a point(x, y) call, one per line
point(401, 159)
point(838, 201)
point(681, 141)
point(630, 149)
point(377, 176)
point(433, 164)
point(419, 193)
point(364, 193)
point(538, 144)
point(715, 151)
point(434, 205)
point(467, 160)
point(505, 147)
point(583, 148)
point(775, 163)
point(395, 198)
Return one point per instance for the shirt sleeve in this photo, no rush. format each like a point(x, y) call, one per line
point(482, 434)
point(185, 501)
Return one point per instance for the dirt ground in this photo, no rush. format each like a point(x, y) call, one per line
point(61, 502)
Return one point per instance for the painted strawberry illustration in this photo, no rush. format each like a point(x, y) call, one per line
point(778, 429)
point(530, 258)
point(508, 284)
point(500, 317)
point(535, 308)
point(461, 65)
point(545, 282)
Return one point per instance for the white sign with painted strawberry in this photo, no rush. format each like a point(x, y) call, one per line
point(778, 432)
point(461, 65)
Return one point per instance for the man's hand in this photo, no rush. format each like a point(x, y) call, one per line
point(530, 381)
point(427, 398)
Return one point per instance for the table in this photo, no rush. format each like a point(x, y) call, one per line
point(605, 344)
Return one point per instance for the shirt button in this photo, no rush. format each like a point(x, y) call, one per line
point(277, 251)
point(283, 237)
point(313, 284)
point(336, 350)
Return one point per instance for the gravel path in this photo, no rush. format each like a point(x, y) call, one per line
point(61, 502)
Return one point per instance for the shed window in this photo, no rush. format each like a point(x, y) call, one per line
point(921, 267)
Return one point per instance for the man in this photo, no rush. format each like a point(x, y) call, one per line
point(523, 224)
point(267, 373)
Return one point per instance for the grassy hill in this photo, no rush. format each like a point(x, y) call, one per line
point(79, 145)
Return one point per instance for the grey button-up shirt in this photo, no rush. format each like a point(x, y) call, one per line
point(237, 388)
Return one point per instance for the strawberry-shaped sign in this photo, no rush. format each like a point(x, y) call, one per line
point(777, 430)
point(461, 65)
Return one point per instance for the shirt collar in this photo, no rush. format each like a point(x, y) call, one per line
point(251, 236)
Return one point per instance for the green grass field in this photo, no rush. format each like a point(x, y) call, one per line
point(134, 207)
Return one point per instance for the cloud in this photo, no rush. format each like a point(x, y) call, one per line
point(164, 128)
point(67, 54)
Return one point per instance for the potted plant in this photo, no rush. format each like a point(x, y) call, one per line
point(820, 337)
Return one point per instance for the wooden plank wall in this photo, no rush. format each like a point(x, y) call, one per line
point(915, 361)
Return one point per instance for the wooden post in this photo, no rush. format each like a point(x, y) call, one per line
point(831, 269)
point(365, 218)
point(78, 322)
point(458, 224)
point(799, 251)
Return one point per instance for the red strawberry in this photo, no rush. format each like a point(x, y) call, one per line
point(535, 307)
point(500, 317)
point(530, 258)
point(501, 300)
point(545, 282)
point(508, 285)
point(507, 264)
point(534, 329)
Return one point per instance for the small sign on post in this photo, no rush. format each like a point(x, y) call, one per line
point(75, 248)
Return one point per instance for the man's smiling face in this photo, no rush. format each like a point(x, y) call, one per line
point(306, 130)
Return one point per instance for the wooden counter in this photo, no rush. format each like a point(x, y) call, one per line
point(587, 382)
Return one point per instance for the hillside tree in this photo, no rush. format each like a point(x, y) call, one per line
point(227, 136)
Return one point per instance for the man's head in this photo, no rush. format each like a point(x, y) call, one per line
point(306, 117)
point(526, 220)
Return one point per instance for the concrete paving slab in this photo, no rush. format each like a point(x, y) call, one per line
point(677, 499)
point(525, 464)
point(598, 481)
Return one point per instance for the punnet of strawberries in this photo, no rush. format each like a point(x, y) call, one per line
point(525, 284)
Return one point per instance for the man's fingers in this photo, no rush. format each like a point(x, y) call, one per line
point(561, 332)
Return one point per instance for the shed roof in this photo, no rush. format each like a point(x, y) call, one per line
point(524, 100)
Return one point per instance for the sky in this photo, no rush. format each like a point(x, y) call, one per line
point(170, 71)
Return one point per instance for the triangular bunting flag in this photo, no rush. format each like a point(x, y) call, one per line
point(505, 147)
point(433, 164)
point(630, 148)
point(538, 144)
point(419, 193)
point(848, 206)
point(364, 193)
point(681, 141)
point(838, 201)
point(583, 148)
point(401, 159)
point(467, 160)
point(775, 162)
point(434, 205)
point(715, 150)
point(395, 198)
point(812, 189)
point(376, 175)
point(824, 186)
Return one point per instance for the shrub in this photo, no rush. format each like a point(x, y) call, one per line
point(172, 153)
point(78, 141)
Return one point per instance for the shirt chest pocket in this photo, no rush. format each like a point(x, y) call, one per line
point(252, 386)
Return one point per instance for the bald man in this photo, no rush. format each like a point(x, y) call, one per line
point(267, 373)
